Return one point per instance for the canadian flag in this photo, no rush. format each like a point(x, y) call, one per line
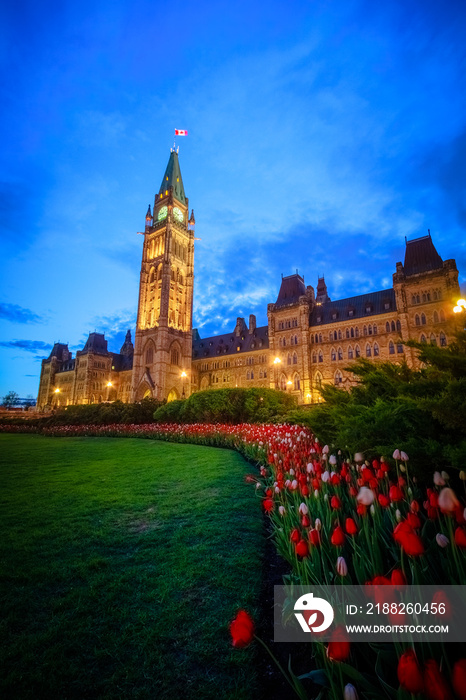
point(181, 132)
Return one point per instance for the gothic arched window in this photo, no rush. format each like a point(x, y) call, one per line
point(318, 380)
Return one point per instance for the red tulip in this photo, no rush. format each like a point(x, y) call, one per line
point(408, 539)
point(460, 537)
point(383, 500)
point(398, 578)
point(269, 493)
point(338, 537)
point(302, 550)
point(335, 503)
point(314, 537)
point(459, 515)
point(409, 672)
point(295, 535)
point(339, 646)
point(435, 684)
point(351, 527)
point(242, 630)
point(458, 679)
point(305, 490)
point(361, 509)
point(413, 520)
point(440, 597)
point(305, 521)
point(267, 504)
point(395, 494)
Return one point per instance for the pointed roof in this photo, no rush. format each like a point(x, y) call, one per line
point(172, 178)
point(127, 349)
point(96, 343)
point(421, 256)
point(60, 351)
point(291, 289)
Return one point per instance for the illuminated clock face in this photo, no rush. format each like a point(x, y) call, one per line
point(163, 211)
point(178, 214)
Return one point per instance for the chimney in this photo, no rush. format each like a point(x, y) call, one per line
point(252, 323)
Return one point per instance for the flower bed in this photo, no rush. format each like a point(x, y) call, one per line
point(339, 521)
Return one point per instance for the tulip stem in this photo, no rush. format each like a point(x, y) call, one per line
point(299, 691)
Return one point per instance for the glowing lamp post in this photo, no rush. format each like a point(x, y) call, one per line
point(308, 397)
point(460, 307)
point(183, 377)
point(109, 386)
point(289, 384)
point(56, 392)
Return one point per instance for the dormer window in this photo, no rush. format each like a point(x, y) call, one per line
point(387, 305)
point(319, 319)
point(334, 316)
point(351, 313)
point(368, 308)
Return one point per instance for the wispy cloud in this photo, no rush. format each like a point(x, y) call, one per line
point(18, 314)
point(116, 323)
point(33, 346)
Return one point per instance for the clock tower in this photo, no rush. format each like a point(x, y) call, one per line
point(163, 343)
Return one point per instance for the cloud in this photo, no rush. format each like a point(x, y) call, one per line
point(114, 324)
point(27, 345)
point(18, 314)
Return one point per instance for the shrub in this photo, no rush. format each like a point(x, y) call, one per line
point(104, 413)
point(228, 406)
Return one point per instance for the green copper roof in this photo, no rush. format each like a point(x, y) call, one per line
point(172, 178)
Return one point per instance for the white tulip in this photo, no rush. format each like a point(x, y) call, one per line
point(442, 540)
point(365, 496)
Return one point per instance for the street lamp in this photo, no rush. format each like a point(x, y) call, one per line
point(183, 377)
point(460, 306)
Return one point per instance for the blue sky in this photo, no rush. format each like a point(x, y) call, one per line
point(320, 135)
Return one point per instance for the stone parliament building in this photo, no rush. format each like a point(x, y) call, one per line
point(307, 342)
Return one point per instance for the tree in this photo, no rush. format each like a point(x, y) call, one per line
point(393, 406)
point(10, 399)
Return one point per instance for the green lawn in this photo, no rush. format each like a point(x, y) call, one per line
point(122, 562)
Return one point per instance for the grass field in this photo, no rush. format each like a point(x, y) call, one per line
point(122, 562)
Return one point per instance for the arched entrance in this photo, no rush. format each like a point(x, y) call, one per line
point(173, 395)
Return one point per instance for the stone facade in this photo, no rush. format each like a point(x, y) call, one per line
point(309, 339)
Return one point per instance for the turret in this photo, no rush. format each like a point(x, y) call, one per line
point(148, 218)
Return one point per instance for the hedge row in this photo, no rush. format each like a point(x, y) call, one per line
point(228, 406)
